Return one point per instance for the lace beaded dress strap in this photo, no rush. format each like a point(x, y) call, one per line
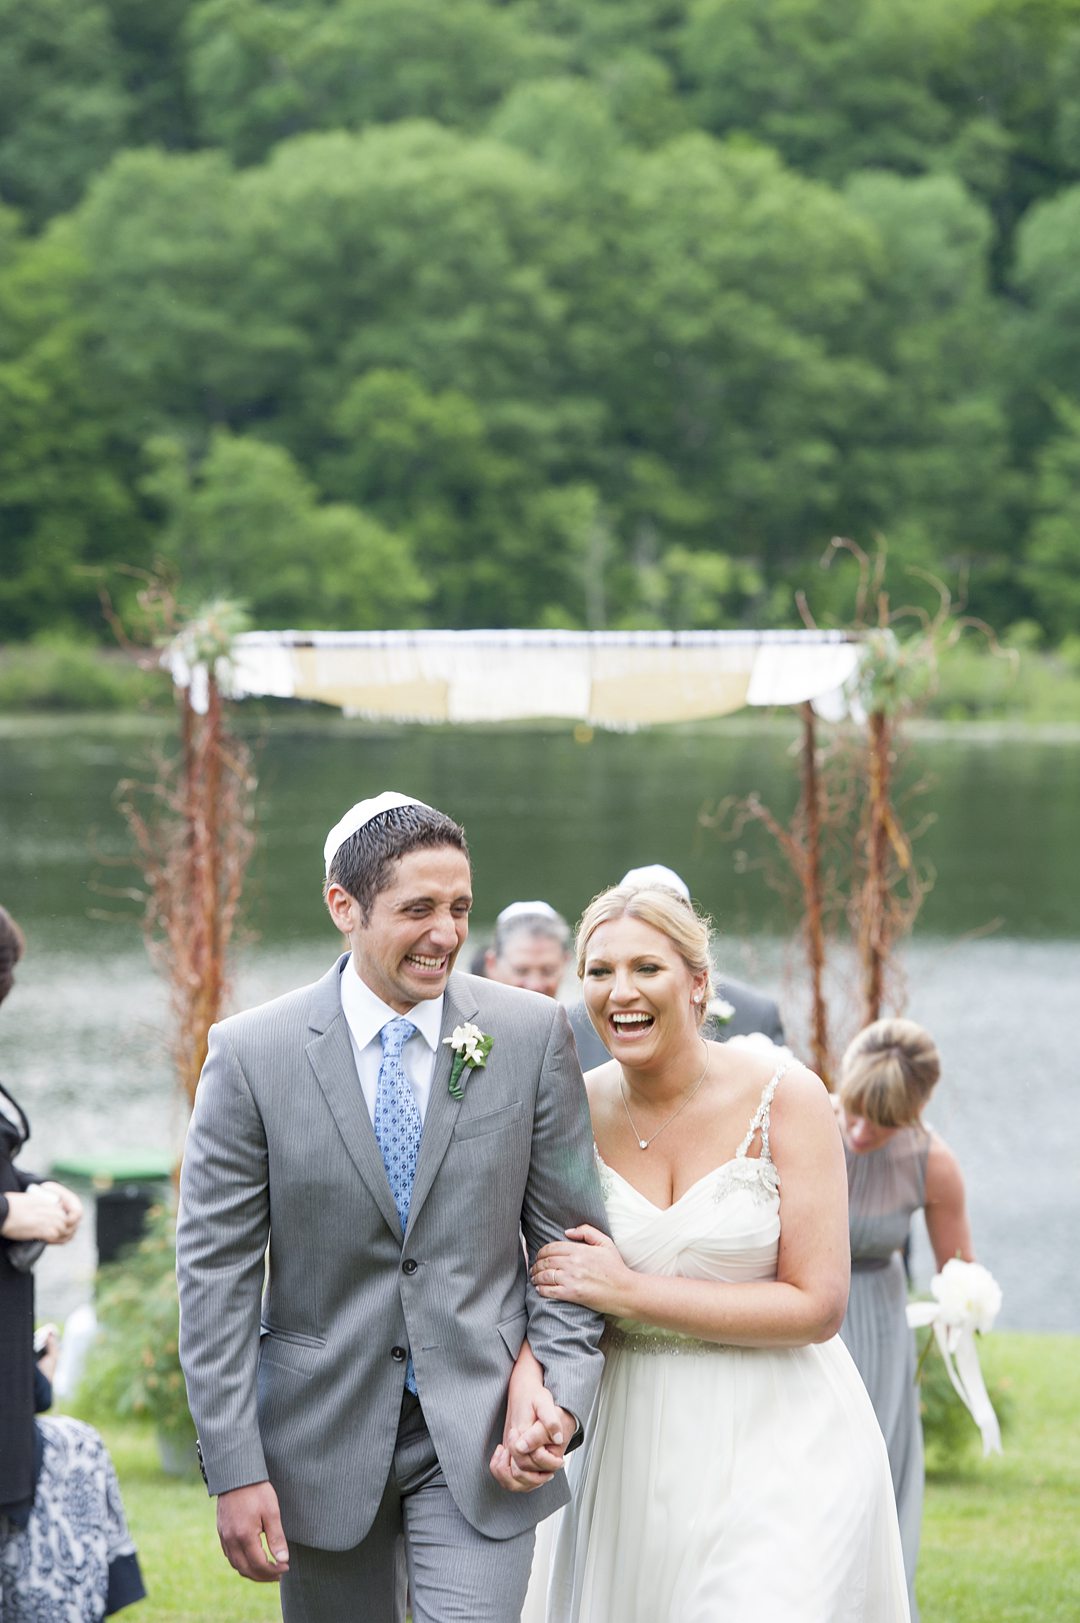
point(603, 1173)
point(761, 1118)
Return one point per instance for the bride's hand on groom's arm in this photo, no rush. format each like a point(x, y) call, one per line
point(585, 1268)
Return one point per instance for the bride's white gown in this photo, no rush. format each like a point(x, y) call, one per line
point(721, 1484)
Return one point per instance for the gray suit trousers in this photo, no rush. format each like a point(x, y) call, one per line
point(419, 1540)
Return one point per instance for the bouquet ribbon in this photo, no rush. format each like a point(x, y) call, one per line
point(957, 1345)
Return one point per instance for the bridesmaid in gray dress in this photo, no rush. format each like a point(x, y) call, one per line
point(896, 1166)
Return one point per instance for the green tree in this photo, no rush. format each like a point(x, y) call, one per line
point(246, 521)
point(971, 87)
point(725, 311)
point(181, 339)
point(263, 72)
point(1005, 73)
point(496, 542)
point(1042, 358)
point(566, 123)
point(1054, 540)
point(154, 67)
point(1046, 276)
point(933, 466)
point(63, 106)
point(832, 87)
point(413, 248)
point(577, 359)
point(66, 512)
point(693, 590)
point(598, 32)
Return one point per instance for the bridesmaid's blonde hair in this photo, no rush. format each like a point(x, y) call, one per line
point(666, 911)
point(889, 1072)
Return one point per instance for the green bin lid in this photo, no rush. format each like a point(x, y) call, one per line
point(119, 1166)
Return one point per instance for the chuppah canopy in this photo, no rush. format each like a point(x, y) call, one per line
point(618, 679)
point(614, 679)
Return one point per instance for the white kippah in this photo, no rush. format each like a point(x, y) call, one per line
point(358, 815)
point(656, 874)
point(519, 910)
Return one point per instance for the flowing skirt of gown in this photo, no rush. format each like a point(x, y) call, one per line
point(722, 1484)
point(876, 1334)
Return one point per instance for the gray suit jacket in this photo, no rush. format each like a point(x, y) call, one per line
point(281, 1152)
point(754, 1011)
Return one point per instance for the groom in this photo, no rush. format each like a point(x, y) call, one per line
point(351, 1422)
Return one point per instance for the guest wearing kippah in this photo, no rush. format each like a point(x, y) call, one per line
point(530, 948)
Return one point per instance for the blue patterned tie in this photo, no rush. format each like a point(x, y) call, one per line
point(398, 1128)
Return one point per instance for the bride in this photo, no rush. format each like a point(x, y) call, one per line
point(732, 1468)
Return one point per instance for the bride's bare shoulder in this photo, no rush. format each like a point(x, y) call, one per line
point(602, 1082)
point(803, 1109)
point(602, 1088)
point(748, 1071)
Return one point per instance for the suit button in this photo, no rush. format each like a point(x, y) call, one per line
point(409, 1266)
point(398, 1354)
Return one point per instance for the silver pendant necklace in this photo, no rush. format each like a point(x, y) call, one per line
point(643, 1143)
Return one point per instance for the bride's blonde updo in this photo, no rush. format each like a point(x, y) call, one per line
point(686, 929)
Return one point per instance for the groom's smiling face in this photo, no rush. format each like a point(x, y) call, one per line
point(418, 923)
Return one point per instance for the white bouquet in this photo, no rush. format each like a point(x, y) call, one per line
point(967, 1298)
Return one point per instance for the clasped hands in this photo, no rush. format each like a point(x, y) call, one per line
point(44, 1211)
point(586, 1268)
point(534, 1443)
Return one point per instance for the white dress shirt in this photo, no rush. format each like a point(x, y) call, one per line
point(366, 1015)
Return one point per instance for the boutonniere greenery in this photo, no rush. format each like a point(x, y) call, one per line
point(471, 1048)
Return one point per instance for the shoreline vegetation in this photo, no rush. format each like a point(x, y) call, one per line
point(998, 1534)
point(62, 677)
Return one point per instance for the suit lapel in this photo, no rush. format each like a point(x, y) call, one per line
point(331, 1055)
point(443, 1108)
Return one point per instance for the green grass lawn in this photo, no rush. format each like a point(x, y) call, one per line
point(1000, 1539)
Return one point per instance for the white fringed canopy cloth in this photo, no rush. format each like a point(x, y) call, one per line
point(617, 679)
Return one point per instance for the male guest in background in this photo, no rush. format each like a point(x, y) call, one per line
point(359, 1426)
point(531, 947)
point(737, 1011)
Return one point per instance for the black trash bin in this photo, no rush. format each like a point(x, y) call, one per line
point(121, 1218)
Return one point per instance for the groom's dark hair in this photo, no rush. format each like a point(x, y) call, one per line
point(363, 864)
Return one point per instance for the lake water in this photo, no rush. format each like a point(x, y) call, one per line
point(993, 970)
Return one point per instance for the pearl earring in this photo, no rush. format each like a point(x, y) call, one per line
point(697, 997)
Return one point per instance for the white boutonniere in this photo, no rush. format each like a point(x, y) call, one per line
point(471, 1048)
point(721, 1010)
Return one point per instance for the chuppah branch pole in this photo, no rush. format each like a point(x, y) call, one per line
point(873, 935)
point(813, 916)
point(193, 830)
